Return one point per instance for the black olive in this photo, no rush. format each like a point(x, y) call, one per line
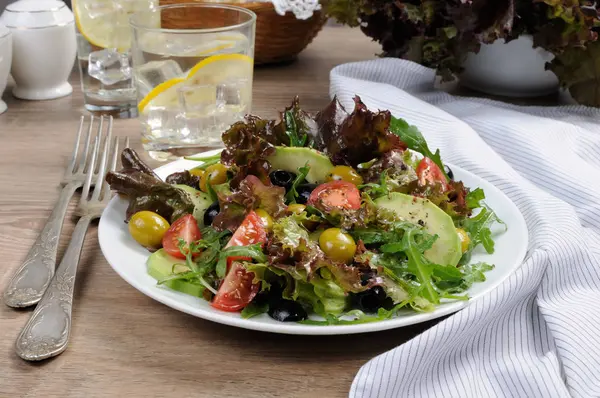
point(211, 213)
point(365, 277)
point(449, 172)
point(304, 191)
point(287, 311)
point(371, 300)
point(282, 178)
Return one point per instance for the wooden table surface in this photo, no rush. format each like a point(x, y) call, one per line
point(124, 343)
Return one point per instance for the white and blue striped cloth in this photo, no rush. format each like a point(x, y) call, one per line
point(538, 334)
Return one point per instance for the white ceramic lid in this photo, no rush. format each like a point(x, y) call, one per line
point(36, 14)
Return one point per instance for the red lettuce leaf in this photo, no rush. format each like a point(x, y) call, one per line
point(251, 194)
point(357, 137)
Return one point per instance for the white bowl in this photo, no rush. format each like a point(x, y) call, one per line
point(513, 69)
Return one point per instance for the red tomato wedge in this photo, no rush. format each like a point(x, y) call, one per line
point(251, 231)
point(429, 172)
point(185, 228)
point(237, 289)
point(340, 194)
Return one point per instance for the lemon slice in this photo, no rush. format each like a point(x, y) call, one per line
point(199, 85)
point(166, 93)
point(105, 23)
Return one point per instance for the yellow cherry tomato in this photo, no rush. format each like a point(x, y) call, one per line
point(344, 173)
point(148, 228)
point(215, 174)
point(337, 245)
point(267, 220)
point(197, 172)
point(465, 241)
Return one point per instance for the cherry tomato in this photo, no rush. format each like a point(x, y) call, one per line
point(340, 194)
point(429, 172)
point(237, 289)
point(185, 228)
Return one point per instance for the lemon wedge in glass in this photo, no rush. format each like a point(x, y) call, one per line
point(199, 84)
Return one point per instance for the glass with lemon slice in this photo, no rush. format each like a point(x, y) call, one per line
point(103, 53)
point(192, 68)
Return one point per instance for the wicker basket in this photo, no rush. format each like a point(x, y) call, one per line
point(278, 38)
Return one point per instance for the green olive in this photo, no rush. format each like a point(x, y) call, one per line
point(267, 220)
point(344, 173)
point(148, 228)
point(296, 208)
point(215, 174)
point(337, 245)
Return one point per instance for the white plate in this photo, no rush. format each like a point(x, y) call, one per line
point(128, 259)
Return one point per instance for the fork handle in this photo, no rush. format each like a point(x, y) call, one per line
point(47, 332)
point(31, 280)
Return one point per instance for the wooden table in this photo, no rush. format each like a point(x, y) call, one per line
point(124, 343)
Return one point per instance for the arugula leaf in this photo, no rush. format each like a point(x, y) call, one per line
point(373, 235)
point(291, 129)
point(300, 177)
point(414, 140)
point(474, 273)
point(478, 228)
point(420, 267)
point(253, 251)
point(254, 309)
point(377, 190)
point(205, 159)
point(474, 198)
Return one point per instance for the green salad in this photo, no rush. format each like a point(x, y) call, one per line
point(339, 217)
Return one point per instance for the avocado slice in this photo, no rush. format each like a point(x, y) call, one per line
point(292, 158)
point(160, 265)
point(446, 249)
point(200, 200)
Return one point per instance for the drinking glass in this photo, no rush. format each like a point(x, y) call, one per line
point(103, 56)
point(192, 68)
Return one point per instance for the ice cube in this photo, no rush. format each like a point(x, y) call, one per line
point(232, 92)
point(154, 73)
point(198, 98)
point(109, 66)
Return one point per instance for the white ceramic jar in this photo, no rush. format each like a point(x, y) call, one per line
point(513, 69)
point(5, 61)
point(44, 47)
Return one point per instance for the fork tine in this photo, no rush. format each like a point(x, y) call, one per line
point(102, 166)
point(112, 166)
point(88, 177)
point(76, 147)
point(84, 159)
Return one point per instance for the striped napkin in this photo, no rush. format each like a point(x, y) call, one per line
point(537, 334)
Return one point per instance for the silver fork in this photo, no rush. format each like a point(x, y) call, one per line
point(31, 280)
point(47, 332)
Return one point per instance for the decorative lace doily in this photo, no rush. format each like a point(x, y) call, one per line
point(302, 9)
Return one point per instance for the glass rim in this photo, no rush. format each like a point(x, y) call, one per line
point(242, 10)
